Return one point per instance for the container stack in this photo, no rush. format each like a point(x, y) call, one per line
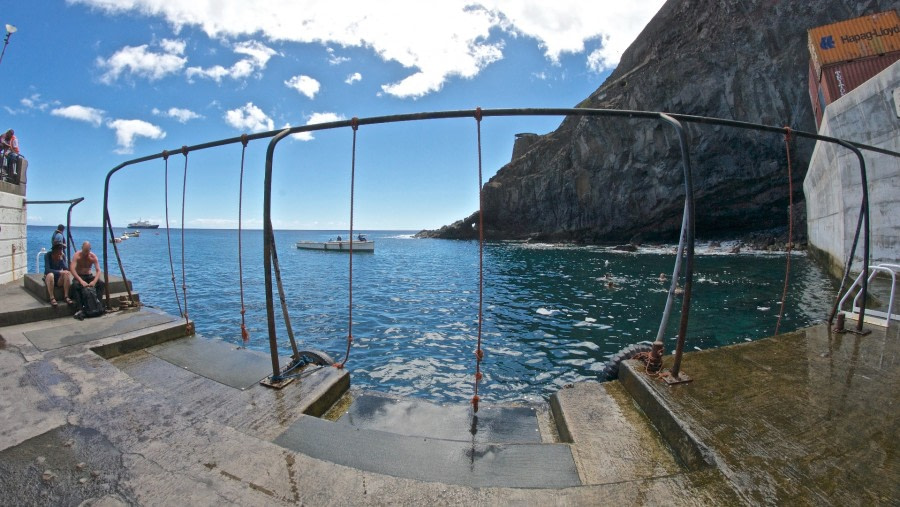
point(844, 55)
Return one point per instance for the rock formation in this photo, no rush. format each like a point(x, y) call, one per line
point(603, 179)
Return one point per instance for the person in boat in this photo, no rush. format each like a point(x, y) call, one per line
point(58, 237)
point(56, 273)
point(339, 238)
point(361, 238)
point(82, 262)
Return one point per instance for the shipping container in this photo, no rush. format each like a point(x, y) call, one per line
point(866, 36)
point(839, 79)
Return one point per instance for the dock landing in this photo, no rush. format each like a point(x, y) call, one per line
point(124, 409)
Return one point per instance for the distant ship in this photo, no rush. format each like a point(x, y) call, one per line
point(143, 224)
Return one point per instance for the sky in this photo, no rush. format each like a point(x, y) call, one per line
point(90, 84)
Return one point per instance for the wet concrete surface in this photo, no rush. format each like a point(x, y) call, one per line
point(415, 417)
point(65, 466)
point(216, 360)
point(809, 417)
point(434, 460)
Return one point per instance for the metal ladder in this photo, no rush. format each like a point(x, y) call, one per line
point(890, 269)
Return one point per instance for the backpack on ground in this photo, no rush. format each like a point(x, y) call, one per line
point(90, 303)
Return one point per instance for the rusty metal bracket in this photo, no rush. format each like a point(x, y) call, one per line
point(681, 378)
point(276, 383)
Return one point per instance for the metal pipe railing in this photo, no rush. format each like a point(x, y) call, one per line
point(72, 203)
point(676, 120)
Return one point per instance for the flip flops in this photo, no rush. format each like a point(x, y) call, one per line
point(53, 302)
point(69, 301)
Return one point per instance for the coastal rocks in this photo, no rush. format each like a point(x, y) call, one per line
point(607, 180)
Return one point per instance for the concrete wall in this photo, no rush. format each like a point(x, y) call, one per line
point(13, 233)
point(832, 186)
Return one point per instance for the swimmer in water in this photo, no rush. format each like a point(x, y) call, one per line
point(663, 278)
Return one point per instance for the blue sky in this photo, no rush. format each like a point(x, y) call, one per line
point(88, 84)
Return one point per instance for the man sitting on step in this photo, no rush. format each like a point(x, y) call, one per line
point(81, 265)
point(56, 273)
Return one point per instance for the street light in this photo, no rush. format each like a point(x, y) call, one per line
point(10, 29)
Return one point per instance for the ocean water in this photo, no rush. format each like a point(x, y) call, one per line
point(550, 315)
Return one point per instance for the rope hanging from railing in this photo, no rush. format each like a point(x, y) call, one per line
point(165, 155)
point(479, 353)
point(184, 151)
point(245, 335)
point(790, 244)
point(355, 126)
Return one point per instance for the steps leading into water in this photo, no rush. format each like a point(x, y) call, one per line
point(416, 417)
point(25, 300)
point(525, 465)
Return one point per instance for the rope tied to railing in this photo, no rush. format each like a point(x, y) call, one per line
point(790, 244)
point(184, 151)
point(354, 124)
point(245, 334)
point(165, 155)
point(479, 353)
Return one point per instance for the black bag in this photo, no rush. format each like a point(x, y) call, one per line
point(90, 303)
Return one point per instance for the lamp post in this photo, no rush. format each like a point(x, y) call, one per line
point(10, 29)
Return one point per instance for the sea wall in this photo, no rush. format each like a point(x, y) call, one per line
point(13, 256)
point(832, 186)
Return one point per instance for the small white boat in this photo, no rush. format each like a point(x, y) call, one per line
point(133, 234)
point(337, 246)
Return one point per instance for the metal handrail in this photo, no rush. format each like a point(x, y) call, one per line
point(672, 119)
point(72, 203)
point(884, 267)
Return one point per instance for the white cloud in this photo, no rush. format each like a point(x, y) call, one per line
point(334, 59)
point(352, 78)
point(139, 61)
point(434, 41)
point(249, 118)
point(257, 57)
point(312, 120)
point(80, 113)
point(128, 130)
point(182, 115)
point(304, 84)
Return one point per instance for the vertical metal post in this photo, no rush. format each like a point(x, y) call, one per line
point(689, 242)
point(268, 239)
point(69, 229)
point(864, 218)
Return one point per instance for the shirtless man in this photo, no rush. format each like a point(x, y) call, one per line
point(81, 265)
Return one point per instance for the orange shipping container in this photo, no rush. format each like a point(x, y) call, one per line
point(871, 35)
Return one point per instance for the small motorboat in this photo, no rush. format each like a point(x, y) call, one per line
point(337, 246)
point(133, 234)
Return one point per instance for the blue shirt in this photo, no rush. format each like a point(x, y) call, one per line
point(53, 265)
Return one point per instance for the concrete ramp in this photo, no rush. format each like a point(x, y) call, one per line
point(216, 360)
point(74, 332)
point(433, 460)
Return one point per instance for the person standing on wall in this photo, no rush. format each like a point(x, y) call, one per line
point(9, 144)
point(59, 237)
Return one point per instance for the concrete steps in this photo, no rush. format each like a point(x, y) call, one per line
point(468, 463)
point(26, 300)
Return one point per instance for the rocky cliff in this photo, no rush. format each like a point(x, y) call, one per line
point(596, 179)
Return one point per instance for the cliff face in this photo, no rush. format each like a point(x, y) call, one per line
point(603, 179)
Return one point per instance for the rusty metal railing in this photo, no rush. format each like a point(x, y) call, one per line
point(72, 203)
point(687, 235)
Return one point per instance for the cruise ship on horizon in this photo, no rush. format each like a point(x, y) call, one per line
point(143, 224)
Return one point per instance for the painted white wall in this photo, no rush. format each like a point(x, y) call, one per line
point(832, 186)
point(13, 234)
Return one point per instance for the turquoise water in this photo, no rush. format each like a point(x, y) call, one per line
point(551, 317)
